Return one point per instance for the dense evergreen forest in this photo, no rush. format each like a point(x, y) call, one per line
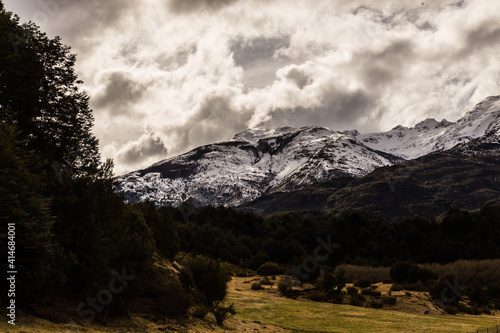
point(74, 234)
point(251, 240)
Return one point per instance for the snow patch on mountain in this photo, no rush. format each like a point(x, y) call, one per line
point(259, 161)
point(254, 162)
point(431, 135)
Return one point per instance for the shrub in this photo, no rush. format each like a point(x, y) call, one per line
point(397, 287)
point(285, 285)
point(165, 291)
point(353, 273)
point(371, 292)
point(329, 282)
point(245, 273)
point(464, 308)
point(487, 271)
point(390, 300)
point(256, 286)
point(338, 297)
point(417, 286)
point(376, 304)
point(318, 296)
point(440, 289)
point(357, 300)
point(450, 309)
point(486, 310)
point(362, 283)
point(352, 291)
point(270, 268)
point(406, 272)
point(475, 310)
point(266, 282)
point(200, 312)
point(340, 279)
point(208, 276)
point(222, 312)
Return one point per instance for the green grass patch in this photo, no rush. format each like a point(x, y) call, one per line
point(307, 316)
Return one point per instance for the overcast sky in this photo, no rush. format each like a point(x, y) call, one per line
point(167, 76)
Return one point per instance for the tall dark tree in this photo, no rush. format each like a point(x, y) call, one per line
point(23, 206)
point(39, 91)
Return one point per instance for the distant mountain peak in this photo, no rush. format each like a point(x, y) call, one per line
point(431, 123)
point(430, 135)
point(254, 162)
point(262, 160)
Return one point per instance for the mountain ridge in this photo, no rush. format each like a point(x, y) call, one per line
point(252, 163)
point(431, 135)
point(261, 161)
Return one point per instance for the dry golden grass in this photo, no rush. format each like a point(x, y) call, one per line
point(268, 312)
point(300, 315)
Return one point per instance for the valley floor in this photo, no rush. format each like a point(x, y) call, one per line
point(306, 316)
point(266, 311)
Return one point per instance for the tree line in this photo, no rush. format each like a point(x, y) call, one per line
point(250, 240)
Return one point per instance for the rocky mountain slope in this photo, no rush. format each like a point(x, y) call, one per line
point(430, 135)
point(254, 162)
point(466, 176)
point(263, 162)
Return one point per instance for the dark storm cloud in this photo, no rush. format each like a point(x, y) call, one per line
point(380, 68)
point(147, 146)
point(192, 6)
point(257, 57)
point(120, 93)
point(300, 78)
point(484, 36)
point(216, 119)
point(246, 52)
point(339, 109)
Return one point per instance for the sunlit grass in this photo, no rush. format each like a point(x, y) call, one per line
point(307, 316)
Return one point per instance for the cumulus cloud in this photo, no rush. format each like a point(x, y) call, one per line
point(118, 93)
point(147, 149)
point(173, 75)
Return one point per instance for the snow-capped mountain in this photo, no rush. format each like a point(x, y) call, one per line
point(431, 135)
point(263, 161)
point(254, 162)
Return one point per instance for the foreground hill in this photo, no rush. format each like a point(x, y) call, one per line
point(267, 311)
